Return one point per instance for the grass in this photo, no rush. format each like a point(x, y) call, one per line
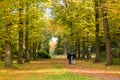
point(67, 76)
point(100, 65)
point(40, 70)
point(116, 61)
point(63, 76)
point(50, 70)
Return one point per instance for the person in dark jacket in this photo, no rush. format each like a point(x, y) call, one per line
point(73, 58)
point(69, 58)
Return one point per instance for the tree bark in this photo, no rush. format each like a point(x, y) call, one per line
point(27, 55)
point(65, 48)
point(34, 51)
point(20, 52)
point(77, 49)
point(31, 51)
point(83, 52)
point(88, 52)
point(107, 36)
point(26, 46)
point(8, 56)
point(97, 58)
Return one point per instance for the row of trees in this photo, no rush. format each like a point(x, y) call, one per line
point(80, 25)
point(22, 29)
point(87, 23)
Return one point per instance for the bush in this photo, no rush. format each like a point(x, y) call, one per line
point(14, 54)
point(43, 54)
point(116, 52)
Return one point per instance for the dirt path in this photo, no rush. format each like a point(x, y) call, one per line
point(103, 75)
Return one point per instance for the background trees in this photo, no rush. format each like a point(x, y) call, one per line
point(79, 20)
point(81, 17)
point(26, 18)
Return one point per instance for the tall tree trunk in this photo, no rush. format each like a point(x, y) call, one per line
point(83, 52)
point(107, 36)
point(78, 48)
point(88, 52)
point(31, 51)
point(97, 58)
point(65, 48)
point(34, 51)
point(27, 55)
point(39, 46)
point(8, 56)
point(26, 47)
point(20, 52)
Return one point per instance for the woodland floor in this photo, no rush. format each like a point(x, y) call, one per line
point(105, 73)
point(59, 66)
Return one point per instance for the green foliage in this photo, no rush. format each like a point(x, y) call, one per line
point(1, 64)
point(43, 54)
point(116, 61)
point(16, 66)
point(79, 20)
point(72, 20)
point(116, 52)
point(13, 13)
point(59, 47)
point(14, 53)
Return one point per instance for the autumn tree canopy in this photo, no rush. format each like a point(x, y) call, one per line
point(82, 26)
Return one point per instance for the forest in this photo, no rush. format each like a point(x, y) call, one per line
point(90, 28)
point(34, 32)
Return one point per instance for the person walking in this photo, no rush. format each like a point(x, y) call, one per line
point(73, 58)
point(69, 58)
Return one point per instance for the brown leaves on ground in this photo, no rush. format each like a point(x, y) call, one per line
point(91, 69)
point(57, 66)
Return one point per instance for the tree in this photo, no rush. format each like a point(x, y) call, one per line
point(97, 5)
point(113, 16)
point(8, 55)
point(27, 55)
point(106, 32)
point(21, 26)
point(78, 19)
point(8, 27)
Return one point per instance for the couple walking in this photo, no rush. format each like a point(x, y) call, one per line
point(71, 58)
